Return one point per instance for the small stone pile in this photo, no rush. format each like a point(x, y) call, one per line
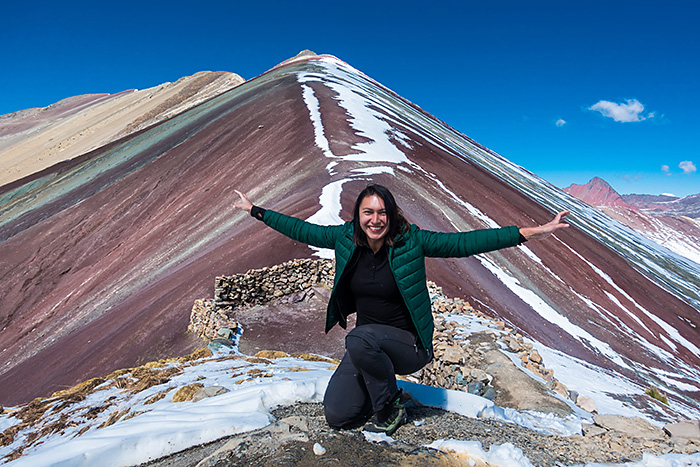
point(206, 320)
point(456, 363)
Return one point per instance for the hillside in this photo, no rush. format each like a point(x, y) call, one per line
point(33, 139)
point(103, 254)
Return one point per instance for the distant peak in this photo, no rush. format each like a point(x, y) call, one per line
point(597, 192)
point(306, 53)
point(599, 181)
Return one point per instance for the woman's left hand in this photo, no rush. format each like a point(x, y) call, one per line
point(545, 230)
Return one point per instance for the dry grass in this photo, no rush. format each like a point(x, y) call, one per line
point(271, 354)
point(186, 393)
point(196, 355)
point(78, 392)
point(256, 360)
point(114, 418)
point(655, 393)
point(149, 377)
point(157, 397)
point(316, 358)
point(258, 373)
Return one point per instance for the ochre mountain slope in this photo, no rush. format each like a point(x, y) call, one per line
point(103, 255)
point(34, 139)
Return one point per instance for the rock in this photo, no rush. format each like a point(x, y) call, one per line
point(514, 345)
point(587, 404)
point(490, 393)
point(535, 357)
point(319, 450)
point(475, 387)
point(592, 430)
point(573, 396)
point(547, 374)
point(225, 333)
point(631, 426)
point(686, 430)
point(210, 391)
point(476, 374)
point(453, 354)
point(222, 346)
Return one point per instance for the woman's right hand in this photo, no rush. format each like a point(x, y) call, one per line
point(245, 203)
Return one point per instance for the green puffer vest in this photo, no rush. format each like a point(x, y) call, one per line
point(406, 258)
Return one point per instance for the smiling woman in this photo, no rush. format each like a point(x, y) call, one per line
point(380, 275)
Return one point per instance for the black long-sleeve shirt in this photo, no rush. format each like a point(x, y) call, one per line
point(377, 297)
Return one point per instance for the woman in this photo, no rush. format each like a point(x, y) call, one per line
point(380, 275)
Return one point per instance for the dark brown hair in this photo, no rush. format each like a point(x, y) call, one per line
point(397, 223)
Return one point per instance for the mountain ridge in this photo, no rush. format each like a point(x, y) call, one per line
point(598, 192)
point(670, 221)
point(35, 139)
point(103, 252)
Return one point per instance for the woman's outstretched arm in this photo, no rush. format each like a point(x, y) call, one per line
point(545, 230)
point(322, 236)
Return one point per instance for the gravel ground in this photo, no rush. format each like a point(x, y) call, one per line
point(290, 442)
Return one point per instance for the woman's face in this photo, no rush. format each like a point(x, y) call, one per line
point(374, 221)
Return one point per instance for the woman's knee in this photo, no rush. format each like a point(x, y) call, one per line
point(342, 413)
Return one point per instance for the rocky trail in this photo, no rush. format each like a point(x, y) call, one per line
point(291, 440)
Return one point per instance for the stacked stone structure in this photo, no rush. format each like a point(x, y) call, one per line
point(457, 359)
point(284, 281)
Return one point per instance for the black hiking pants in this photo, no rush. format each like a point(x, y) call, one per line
point(365, 380)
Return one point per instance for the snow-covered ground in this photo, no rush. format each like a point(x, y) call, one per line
point(114, 425)
point(255, 388)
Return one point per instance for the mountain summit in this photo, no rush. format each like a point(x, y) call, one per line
point(104, 254)
point(597, 192)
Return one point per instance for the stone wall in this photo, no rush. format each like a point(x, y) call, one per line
point(255, 287)
point(259, 286)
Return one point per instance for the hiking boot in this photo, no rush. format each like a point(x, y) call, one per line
point(388, 419)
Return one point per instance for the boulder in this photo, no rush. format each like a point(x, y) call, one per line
point(587, 404)
point(631, 426)
point(535, 357)
point(592, 430)
point(210, 391)
point(689, 430)
point(453, 354)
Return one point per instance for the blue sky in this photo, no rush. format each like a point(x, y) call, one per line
point(620, 77)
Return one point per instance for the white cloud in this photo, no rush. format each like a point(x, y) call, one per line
point(688, 167)
point(666, 169)
point(623, 112)
point(560, 122)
